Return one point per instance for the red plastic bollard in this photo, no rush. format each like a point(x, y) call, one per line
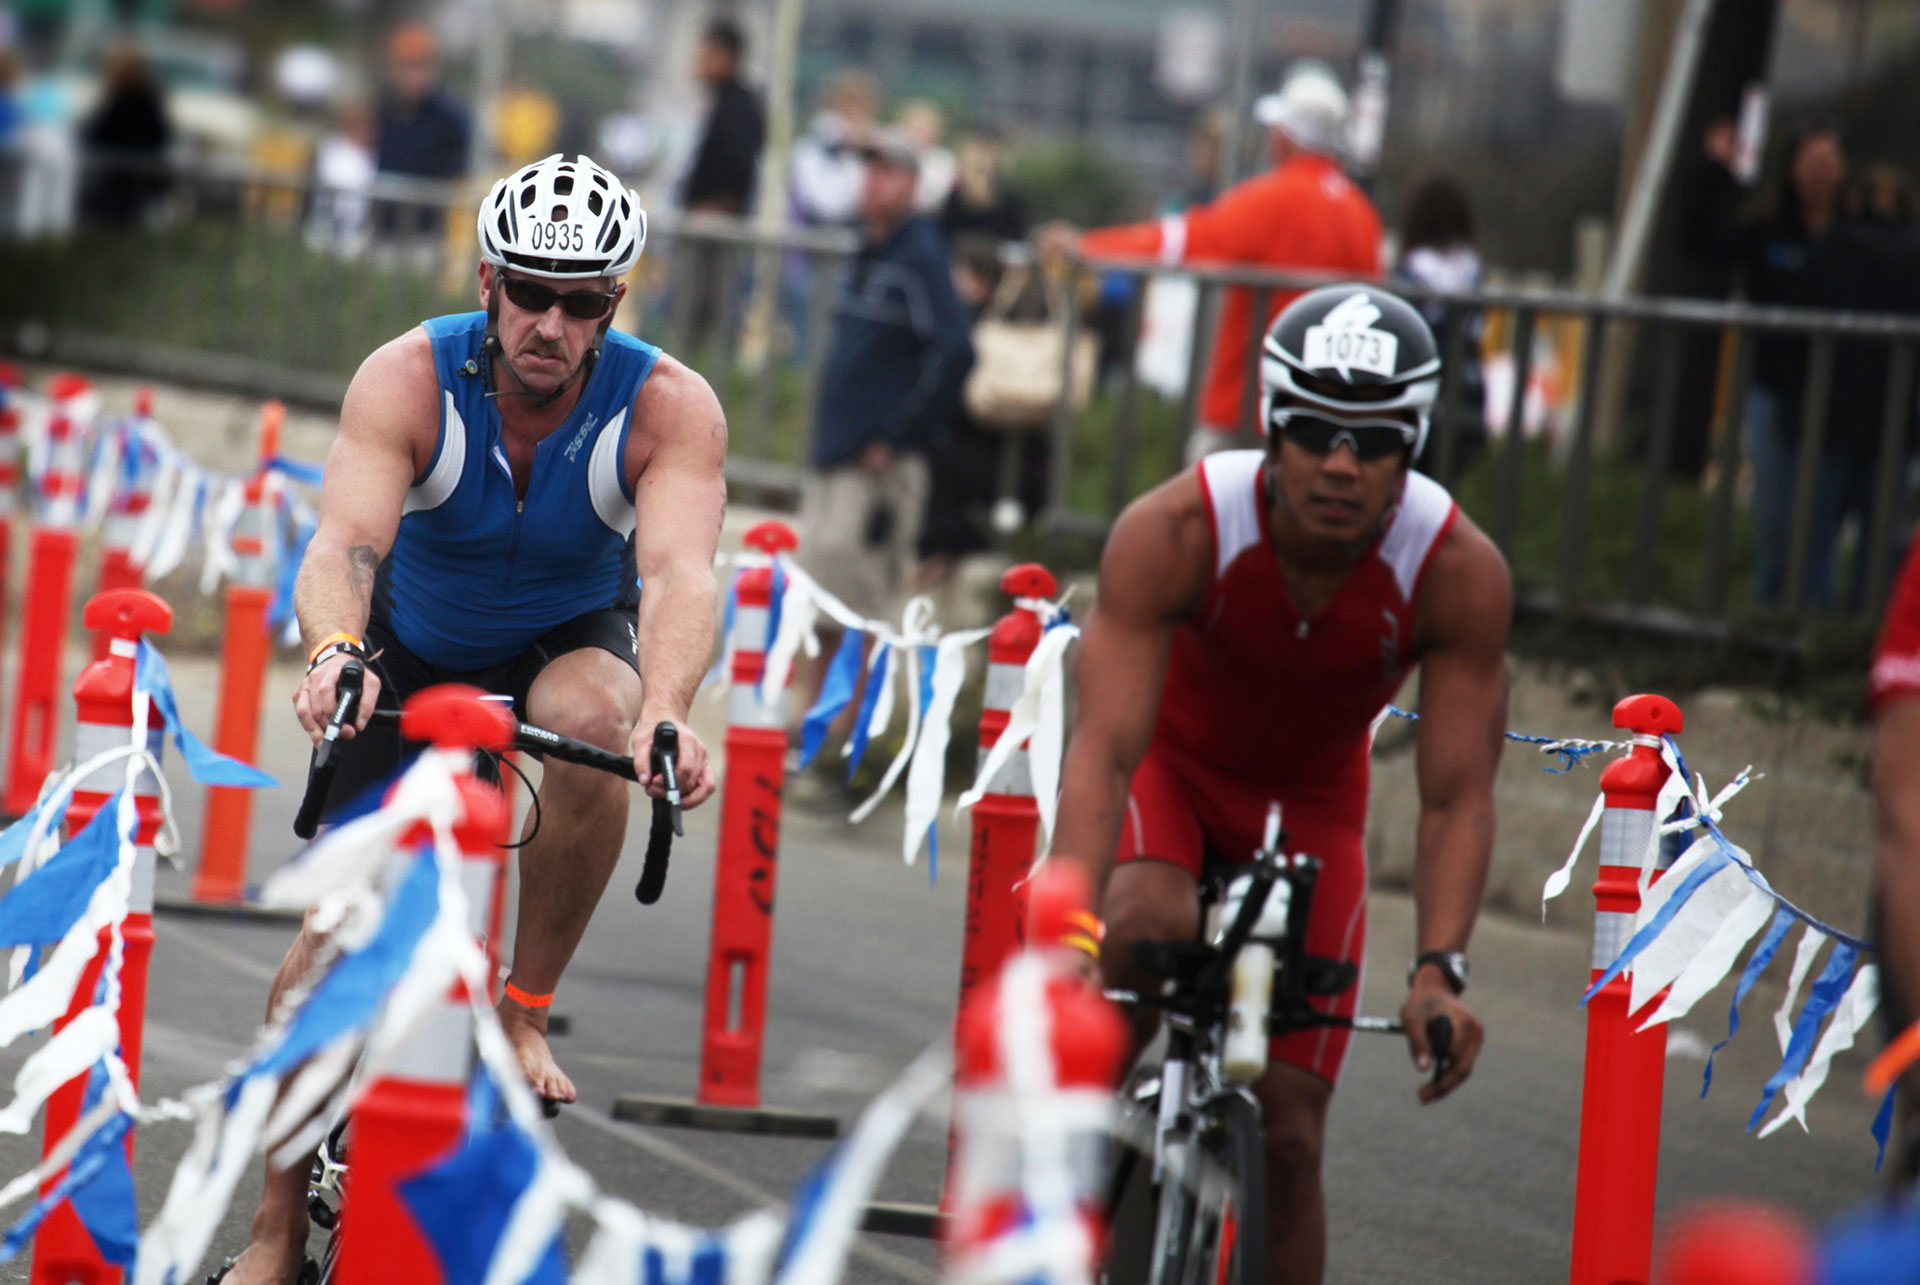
point(1086, 1037)
point(49, 597)
point(244, 651)
point(1625, 1068)
point(736, 1005)
point(413, 1114)
point(128, 509)
point(103, 696)
point(9, 476)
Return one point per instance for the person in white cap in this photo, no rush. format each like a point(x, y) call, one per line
point(1302, 215)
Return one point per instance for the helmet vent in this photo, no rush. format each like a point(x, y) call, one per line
point(563, 185)
point(596, 202)
point(559, 214)
point(526, 197)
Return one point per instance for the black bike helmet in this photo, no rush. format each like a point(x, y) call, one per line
point(1352, 348)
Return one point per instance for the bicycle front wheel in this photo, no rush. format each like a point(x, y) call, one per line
point(1203, 1220)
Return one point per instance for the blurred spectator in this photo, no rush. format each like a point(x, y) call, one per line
point(828, 176)
point(343, 171)
point(824, 180)
point(126, 140)
point(1437, 251)
point(721, 178)
point(13, 114)
point(1787, 259)
point(727, 160)
point(900, 351)
point(927, 126)
point(980, 206)
point(419, 131)
point(1301, 215)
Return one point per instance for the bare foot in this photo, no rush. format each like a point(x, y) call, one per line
point(526, 1029)
point(270, 1259)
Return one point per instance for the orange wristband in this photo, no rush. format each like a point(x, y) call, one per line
point(1084, 932)
point(527, 999)
point(330, 640)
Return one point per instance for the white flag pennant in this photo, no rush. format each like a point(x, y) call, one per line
point(1849, 1015)
point(218, 521)
point(1742, 908)
point(160, 498)
point(1811, 940)
point(1023, 720)
point(1559, 880)
point(177, 533)
point(1690, 928)
point(926, 777)
point(916, 628)
point(799, 610)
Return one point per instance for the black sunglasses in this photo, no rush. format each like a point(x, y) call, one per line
point(1370, 439)
point(583, 305)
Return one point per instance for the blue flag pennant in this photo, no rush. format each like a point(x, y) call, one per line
point(776, 600)
point(928, 655)
point(298, 470)
point(714, 675)
point(1756, 964)
point(101, 1159)
point(1826, 993)
point(1882, 1129)
point(48, 902)
point(836, 692)
point(13, 839)
point(463, 1202)
point(206, 765)
point(354, 989)
point(1706, 870)
point(876, 678)
point(288, 560)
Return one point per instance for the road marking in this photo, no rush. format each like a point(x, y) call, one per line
point(886, 1260)
point(231, 958)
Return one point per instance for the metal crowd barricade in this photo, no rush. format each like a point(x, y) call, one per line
point(1566, 587)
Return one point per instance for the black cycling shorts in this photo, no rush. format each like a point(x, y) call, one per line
point(377, 753)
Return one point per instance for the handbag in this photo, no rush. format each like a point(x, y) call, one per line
point(1017, 378)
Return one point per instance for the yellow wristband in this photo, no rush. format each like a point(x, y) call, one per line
point(1079, 941)
point(330, 640)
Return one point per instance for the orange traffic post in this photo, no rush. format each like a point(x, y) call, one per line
point(1625, 1068)
point(1006, 833)
point(734, 1023)
point(126, 511)
point(415, 1110)
point(243, 675)
point(63, 1251)
point(49, 599)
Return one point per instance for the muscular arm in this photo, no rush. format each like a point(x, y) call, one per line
point(1463, 713)
point(1896, 792)
point(678, 451)
point(1153, 574)
point(388, 425)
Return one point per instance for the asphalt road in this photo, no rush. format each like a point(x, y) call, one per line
point(1478, 1188)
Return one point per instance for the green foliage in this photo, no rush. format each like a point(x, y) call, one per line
point(1068, 178)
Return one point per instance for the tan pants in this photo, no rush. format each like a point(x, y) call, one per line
point(858, 531)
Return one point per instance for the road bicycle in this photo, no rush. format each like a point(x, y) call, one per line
point(327, 1178)
point(1186, 1193)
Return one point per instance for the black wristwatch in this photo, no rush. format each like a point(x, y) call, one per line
point(1451, 963)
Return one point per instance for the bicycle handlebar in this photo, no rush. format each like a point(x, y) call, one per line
point(320, 773)
point(666, 815)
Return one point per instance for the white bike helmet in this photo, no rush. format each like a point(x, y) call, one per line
point(1351, 347)
point(562, 218)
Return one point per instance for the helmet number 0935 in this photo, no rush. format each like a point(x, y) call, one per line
point(557, 236)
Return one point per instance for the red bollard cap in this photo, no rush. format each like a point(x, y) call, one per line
point(1029, 580)
point(454, 716)
point(1649, 715)
point(9, 375)
point(1735, 1243)
point(143, 402)
point(772, 537)
point(67, 385)
point(128, 613)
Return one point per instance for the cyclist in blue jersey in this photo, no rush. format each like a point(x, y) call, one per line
point(500, 480)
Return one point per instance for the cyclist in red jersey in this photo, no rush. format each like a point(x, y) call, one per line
point(1893, 693)
point(1256, 614)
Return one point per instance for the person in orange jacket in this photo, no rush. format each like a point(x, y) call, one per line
point(1303, 215)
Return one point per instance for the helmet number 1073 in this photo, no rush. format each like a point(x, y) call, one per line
point(1373, 351)
point(557, 236)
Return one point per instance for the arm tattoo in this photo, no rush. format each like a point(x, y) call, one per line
point(362, 563)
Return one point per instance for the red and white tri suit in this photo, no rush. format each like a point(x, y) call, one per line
point(1261, 704)
point(1896, 660)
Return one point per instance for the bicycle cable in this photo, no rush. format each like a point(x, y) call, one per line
point(533, 797)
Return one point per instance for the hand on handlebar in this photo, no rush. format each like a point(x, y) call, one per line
point(314, 701)
point(1431, 998)
point(695, 769)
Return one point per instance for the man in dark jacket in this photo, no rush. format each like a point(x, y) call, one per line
point(901, 348)
point(420, 132)
point(721, 178)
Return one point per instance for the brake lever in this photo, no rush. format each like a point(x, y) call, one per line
point(349, 684)
point(666, 754)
